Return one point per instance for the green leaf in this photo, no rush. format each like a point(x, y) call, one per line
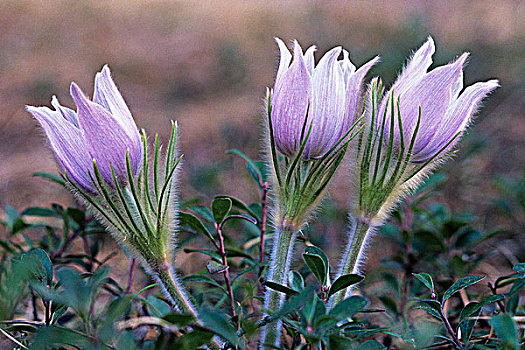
point(505, 328)
point(343, 282)
point(215, 267)
point(253, 168)
point(519, 268)
point(426, 279)
point(348, 307)
point(203, 212)
point(192, 340)
point(295, 302)
point(46, 337)
point(181, 320)
point(433, 307)
point(237, 203)
point(371, 345)
point(195, 224)
point(317, 263)
point(296, 281)
point(51, 177)
point(40, 211)
point(389, 303)
point(214, 320)
point(461, 284)
point(221, 208)
point(211, 253)
point(468, 318)
point(203, 279)
point(280, 288)
point(47, 266)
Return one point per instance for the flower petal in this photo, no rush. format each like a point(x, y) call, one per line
point(434, 93)
point(347, 66)
point(354, 87)
point(457, 118)
point(327, 104)
point(107, 140)
point(284, 62)
point(309, 59)
point(68, 145)
point(290, 104)
point(107, 95)
point(68, 114)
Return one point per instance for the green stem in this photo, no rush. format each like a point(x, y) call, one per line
point(354, 253)
point(282, 253)
point(178, 296)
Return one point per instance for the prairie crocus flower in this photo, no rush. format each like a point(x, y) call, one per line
point(312, 112)
point(101, 130)
point(410, 130)
point(324, 96)
point(105, 163)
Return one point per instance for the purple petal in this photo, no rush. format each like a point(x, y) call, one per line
point(327, 104)
point(68, 144)
point(309, 59)
point(107, 95)
point(434, 93)
point(457, 118)
point(284, 62)
point(347, 66)
point(107, 140)
point(290, 103)
point(354, 87)
point(68, 114)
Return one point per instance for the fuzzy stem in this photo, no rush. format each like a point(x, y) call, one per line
point(282, 253)
point(354, 253)
point(178, 296)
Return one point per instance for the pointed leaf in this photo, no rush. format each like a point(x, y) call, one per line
point(215, 321)
point(195, 224)
point(461, 284)
point(237, 203)
point(280, 288)
point(505, 328)
point(343, 282)
point(348, 307)
point(426, 279)
point(519, 268)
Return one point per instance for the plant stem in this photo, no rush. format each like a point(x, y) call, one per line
point(131, 274)
point(177, 294)
point(222, 253)
point(263, 226)
point(354, 253)
point(282, 250)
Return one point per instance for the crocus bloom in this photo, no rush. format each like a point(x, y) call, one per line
point(444, 111)
point(102, 130)
point(328, 95)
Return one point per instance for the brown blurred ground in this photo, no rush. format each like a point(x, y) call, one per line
point(206, 64)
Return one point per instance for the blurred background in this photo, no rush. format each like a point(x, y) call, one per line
point(207, 64)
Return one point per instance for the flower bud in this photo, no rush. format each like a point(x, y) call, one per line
point(326, 96)
point(101, 130)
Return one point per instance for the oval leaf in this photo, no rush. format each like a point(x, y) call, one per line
point(461, 284)
point(220, 208)
point(317, 263)
point(344, 282)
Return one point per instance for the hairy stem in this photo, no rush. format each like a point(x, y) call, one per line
point(354, 253)
point(281, 257)
point(178, 296)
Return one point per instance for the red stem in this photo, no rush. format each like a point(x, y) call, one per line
point(131, 275)
point(222, 252)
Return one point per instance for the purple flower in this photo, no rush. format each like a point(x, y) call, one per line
point(102, 130)
point(444, 111)
point(330, 93)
